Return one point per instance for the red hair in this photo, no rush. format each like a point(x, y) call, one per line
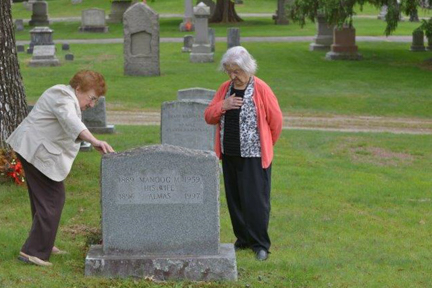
point(87, 80)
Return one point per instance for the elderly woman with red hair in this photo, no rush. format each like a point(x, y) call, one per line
point(249, 122)
point(47, 142)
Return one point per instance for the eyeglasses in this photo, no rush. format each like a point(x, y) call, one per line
point(94, 99)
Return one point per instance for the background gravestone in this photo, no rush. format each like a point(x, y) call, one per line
point(160, 217)
point(324, 38)
point(95, 118)
point(183, 124)
point(141, 41)
point(344, 46)
point(195, 94)
point(188, 19)
point(118, 8)
point(93, 20)
point(44, 55)
point(188, 41)
point(233, 38)
point(19, 24)
point(280, 16)
point(417, 41)
point(212, 39)
point(201, 49)
point(40, 14)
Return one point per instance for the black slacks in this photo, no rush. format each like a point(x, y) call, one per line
point(247, 188)
point(47, 199)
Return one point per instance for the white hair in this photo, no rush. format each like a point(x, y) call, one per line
point(239, 56)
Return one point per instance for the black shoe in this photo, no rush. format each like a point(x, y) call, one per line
point(261, 255)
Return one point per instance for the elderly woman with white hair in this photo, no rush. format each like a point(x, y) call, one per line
point(249, 122)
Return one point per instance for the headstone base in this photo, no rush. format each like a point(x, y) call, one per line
point(44, 62)
point(109, 129)
point(343, 56)
point(201, 57)
point(163, 268)
point(85, 147)
point(319, 47)
point(94, 29)
point(186, 49)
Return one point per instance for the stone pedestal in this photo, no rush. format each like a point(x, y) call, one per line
point(324, 38)
point(344, 47)
point(95, 118)
point(161, 220)
point(429, 47)
point(141, 41)
point(280, 17)
point(40, 14)
point(233, 37)
point(201, 49)
point(418, 41)
point(188, 19)
point(117, 10)
point(41, 36)
point(44, 56)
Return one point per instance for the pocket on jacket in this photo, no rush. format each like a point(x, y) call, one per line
point(47, 156)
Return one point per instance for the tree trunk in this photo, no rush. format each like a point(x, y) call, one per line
point(13, 106)
point(225, 13)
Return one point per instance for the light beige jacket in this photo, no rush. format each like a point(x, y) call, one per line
point(48, 136)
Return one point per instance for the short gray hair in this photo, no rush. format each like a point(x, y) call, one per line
point(239, 56)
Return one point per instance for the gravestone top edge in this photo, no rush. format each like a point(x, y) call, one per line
point(141, 6)
point(166, 148)
point(188, 101)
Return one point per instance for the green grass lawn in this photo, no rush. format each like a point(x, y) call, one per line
point(390, 81)
point(64, 8)
point(348, 210)
point(258, 27)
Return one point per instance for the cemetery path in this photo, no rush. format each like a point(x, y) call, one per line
point(305, 122)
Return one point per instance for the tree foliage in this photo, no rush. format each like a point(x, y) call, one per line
point(341, 12)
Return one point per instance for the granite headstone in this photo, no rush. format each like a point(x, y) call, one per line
point(344, 46)
point(141, 41)
point(233, 37)
point(418, 41)
point(95, 118)
point(93, 20)
point(324, 38)
point(44, 55)
point(118, 7)
point(19, 24)
point(188, 41)
point(201, 49)
point(183, 124)
point(40, 14)
point(188, 18)
point(160, 217)
point(41, 36)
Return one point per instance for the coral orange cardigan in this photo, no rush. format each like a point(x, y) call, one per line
point(269, 117)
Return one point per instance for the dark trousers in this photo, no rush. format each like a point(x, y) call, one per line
point(247, 188)
point(47, 199)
